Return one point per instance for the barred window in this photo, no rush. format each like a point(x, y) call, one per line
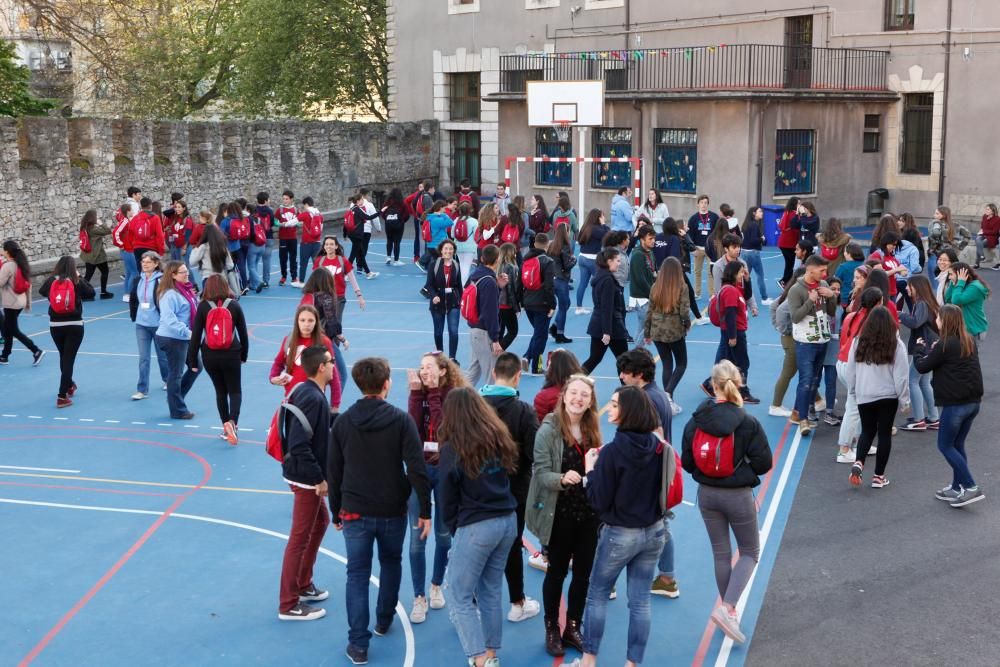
point(795, 162)
point(676, 160)
point(918, 121)
point(612, 142)
point(553, 173)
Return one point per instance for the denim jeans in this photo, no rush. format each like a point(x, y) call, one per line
point(307, 251)
point(809, 357)
point(255, 254)
point(474, 582)
point(956, 420)
point(931, 270)
point(338, 355)
point(562, 298)
point(755, 265)
point(240, 260)
point(921, 395)
point(451, 316)
point(418, 547)
point(665, 565)
point(829, 386)
point(634, 549)
point(179, 376)
point(131, 270)
point(539, 320)
point(588, 268)
point(144, 338)
point(359, 537)
point(266, 261)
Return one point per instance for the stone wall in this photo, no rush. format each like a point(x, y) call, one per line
point(52, 170)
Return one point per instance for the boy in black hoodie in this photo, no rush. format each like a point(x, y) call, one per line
point(376, 457)
point(522, 423)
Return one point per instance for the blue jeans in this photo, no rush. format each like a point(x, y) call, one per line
point(452, 317)
point(268, 249)
point(956, 420)
point(588, 268)
point(338, 358)
point(306, 253)
point(634, 549)
point(665, 565)
point(931, 269)
point(240, 260)
point(474, 582)
point(144, 338)
point(255, 254)
point(830, 386)
point(809, 357)
point(755, 265)
point(562, 298)
point(418, 547)
point(921, 395)
point(539, 320)
point(131, 269)
point(359, 537)
point(179, 376)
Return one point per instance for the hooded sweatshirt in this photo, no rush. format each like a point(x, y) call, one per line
point(520, 420)
point(466, 500)
point(370, 445)
point(624, 486)
point(750, 447)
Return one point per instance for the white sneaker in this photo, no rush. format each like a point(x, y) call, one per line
point(524, 611)
point(138, 396)
point(729, 623)
point(702, 321)
point(419, 612)
point(397, 263)
point(537, 561)
point(767, 302)
point(779, 411)
point(164, 387)
point(675, 409)
point(821, 405)
point(846, 457)
point(388, 261)
point(372, 274)
point(895, 430)
point(125, 298)
point(296, 283)
point(873, 450)
point(437, 597)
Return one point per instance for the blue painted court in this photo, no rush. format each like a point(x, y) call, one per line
point(134, 539)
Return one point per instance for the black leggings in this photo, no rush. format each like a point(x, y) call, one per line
point(393, 239)
point(89, 273)
point(225, 370)
point(694, 302)
point(619, 346)
point(570, 540)
point(514, 570)
point(508, 327)
point(67, 340)
point(359, 252)
point(877, 418)
point(11, 331)
point(789, 255)
point(674, 357)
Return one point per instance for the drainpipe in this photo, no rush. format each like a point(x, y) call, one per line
point(642, 123)
point(628, 23)
point(944, 111)
point(760, 152)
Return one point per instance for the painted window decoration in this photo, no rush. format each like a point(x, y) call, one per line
point(612, 142)
point(553, 173)
point(677, 160)
point(795, 162)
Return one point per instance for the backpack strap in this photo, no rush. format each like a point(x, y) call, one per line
point(286, 405)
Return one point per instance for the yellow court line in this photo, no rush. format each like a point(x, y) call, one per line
point(138, 483)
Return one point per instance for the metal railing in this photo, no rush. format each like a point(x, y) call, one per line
point(699, 68)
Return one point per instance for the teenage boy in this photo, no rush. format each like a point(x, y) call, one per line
point(731, 247)
point(642, 273)
point(311, 221)
point(376, 457)
point(265, 216)
point(700, 225)
point(810, 300)
point(484, 335)
point(373, 225)
point(304, 469)
point(146, 232)
point(522, 423)
point(621, 210)
point(132, 197)
point(467, 194)
point(502, 199)
point(637, 368)
point(286, 219)
point(540, 302)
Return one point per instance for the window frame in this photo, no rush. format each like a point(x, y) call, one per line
point(475, 175)
point(909, 20)
point(871, 140)
point(466, 102)
point(782, 189)
point(690, 147)
point(910, 105)
point(614, 174)
point(463, 6)
point(553, 174)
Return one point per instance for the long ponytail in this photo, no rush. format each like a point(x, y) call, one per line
point(727, 380)
point(11, 247)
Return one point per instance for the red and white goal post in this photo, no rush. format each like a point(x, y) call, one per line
point(635, 162)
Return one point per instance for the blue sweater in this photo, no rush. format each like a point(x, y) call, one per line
point(440, 224)
point(624, 486)
point(753, 237)
point(175, 316)
point(621, 214)
point(233, 246)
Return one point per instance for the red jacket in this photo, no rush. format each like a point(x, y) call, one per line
point(990, 229)
point(154, 235)
point(545, 401)
point(119, 235)
point(299, 375)
point(286, 233)
point(425, 408)
point(789, 236)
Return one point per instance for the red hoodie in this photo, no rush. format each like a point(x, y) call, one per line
point(286, 233)
point(145, 232)
point(299, 375)
point(990, 229)
point(789, 237)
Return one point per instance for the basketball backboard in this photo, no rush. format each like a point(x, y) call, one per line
point(566, 103)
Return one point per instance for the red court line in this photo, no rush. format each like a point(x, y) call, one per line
point(82, 602)
point(87, 488)
point(706, 637)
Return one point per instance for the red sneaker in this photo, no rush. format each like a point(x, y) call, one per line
point(229, 428)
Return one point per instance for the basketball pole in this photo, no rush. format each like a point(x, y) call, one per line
point(581, 133)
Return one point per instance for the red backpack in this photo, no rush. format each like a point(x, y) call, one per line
point(239, 229)
point(828, 253)
point(425, 231)
point(276, 441)
point(219, 326)
point(259, 232)
point(713, 454)
point(62, 296)
point(531, 274)
point(21, 284)
point(461, 229)
point(510, 234)
point(469, 306)
point(350, 224)
point(672, 478)
point(85, 245)
point(714, 312)
point(143, 229)
point(316, 224)
point(465, 197)
point(562, 219)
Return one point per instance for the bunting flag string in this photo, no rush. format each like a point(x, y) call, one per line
point(635, 54)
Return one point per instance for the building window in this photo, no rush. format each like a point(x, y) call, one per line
point(677, 160)
point(795, 162)
point(603, 4)
point(612, 142)
point(540, 4)
point(463, 6)
point(516, 80)
point(465, 157)
point(465, 96)
point(873, 133)
point(899, 14)
point(553, 173)
point(918, 120)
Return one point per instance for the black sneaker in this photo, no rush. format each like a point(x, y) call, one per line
point(313, 594)
point(553, 332)
point(4, 361)
point(37, 356)
point(107, 295)
point(630, 339)
point(382, 630)
point(260, 288)
point(996, 267)
point(245, 291)
point(357, 655)
point(302, 612)
point(561, 339)
point(751, 399)
point(706, 387)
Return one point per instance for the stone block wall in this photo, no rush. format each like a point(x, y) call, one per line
point(52, 170)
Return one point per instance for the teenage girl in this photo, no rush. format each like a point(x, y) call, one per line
point(943, 233)
point(66, 328)
point(444, 285)
point(561, 252)
point(332, 258)
point(15, 302)
point(667, 324)
point(910, 232)
point(808, 221)
point(467, 250)
point(607, 322)
point(590, 238)
point(752, 232)
point(509, 304)
point(850, 425)
point(395, 213)
point(967, 291)
point(286, 371)
point(320, 291)
point(789, 235)
point(538, 219)
point(921, 320)
point(96, 259)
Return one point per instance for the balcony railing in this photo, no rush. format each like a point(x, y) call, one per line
point(753, 67)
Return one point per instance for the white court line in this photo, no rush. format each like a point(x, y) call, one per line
point(75, 472)
point(408, 659)
point(765, 532)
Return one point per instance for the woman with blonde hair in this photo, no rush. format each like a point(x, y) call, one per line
point(178, 304)
point(667, 323)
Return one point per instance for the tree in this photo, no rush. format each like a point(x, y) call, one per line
point(15, 97)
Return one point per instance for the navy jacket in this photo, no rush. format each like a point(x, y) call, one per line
point(609, 307)
point(624, 486)
point(436, 286)
point(543, 299)
point(305, 459)
point(464, 500)
point(488, 301)
point(750, 447)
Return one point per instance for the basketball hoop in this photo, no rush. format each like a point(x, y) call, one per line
point(562, 130)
